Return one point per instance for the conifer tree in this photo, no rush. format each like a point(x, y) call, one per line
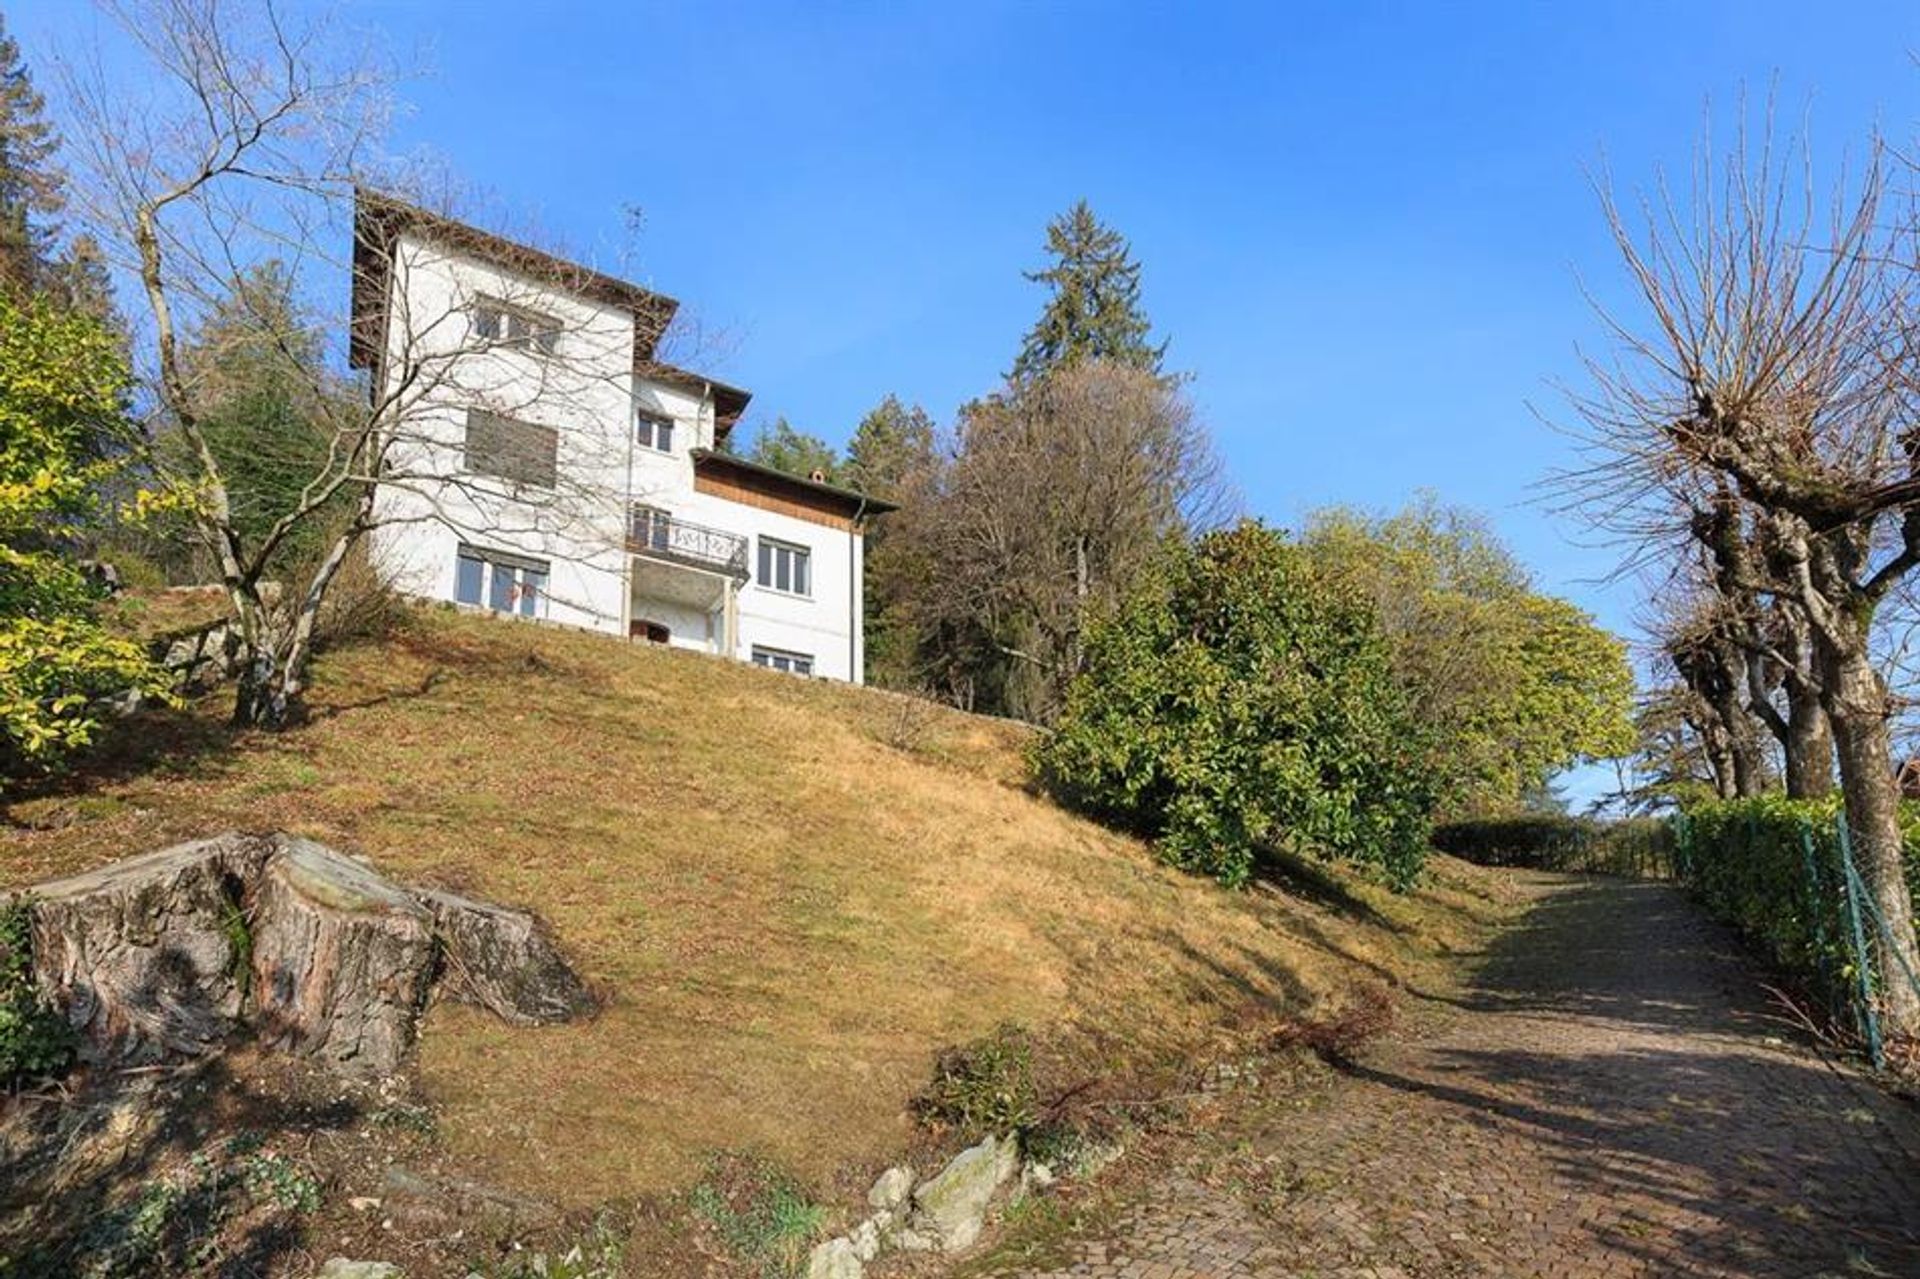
point(30, 191)
point(1094, 311)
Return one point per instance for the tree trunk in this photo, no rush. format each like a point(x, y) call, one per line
point(166, 955)
point(1809, 743)
point(1856, 700)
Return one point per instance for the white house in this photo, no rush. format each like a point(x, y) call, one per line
point(539, 460)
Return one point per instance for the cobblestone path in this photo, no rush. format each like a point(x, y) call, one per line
point(1609, 1099)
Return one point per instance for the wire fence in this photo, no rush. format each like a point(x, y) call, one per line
point(1784, 873)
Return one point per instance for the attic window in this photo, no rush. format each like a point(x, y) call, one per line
point(498, 324)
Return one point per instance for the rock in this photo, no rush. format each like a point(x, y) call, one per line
point(892, 1187)
point(835, 1259)
point(952, 1206)
point(341, 1268)
point(865, 1238)
point(166, 954)
point(911, 1240)
point(1035, 1176)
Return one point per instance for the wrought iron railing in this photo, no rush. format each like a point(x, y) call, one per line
point(660, 536)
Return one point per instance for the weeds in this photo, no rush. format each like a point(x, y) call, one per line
point(983, 1087)
point(598, 1256)
point(759, 1212)
point(35, 1040)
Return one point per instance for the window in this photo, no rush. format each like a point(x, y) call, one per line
point(498, 324)
point(504, 583)
point(786, 567)
point(653, 431)
point(779, 659)
point(513, 450)
point(649, 527)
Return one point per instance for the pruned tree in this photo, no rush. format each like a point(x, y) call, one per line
point(260, 142)
point(1777, 363)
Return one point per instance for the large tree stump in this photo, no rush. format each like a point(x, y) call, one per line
point(169, 953)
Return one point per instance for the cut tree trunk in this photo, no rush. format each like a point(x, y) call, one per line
point(170, 953)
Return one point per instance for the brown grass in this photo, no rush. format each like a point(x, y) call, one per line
point(790, 903)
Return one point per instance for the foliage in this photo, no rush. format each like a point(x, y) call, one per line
point(62, 381)
point(35, 1040)
point(1771, 867)
point(893, 455)
point(1510, 685)
point(759, 1212)
point(29, 187)
point(1236, 697)
point(267, 410)
point(785, 448)
point(1093, 311)
point(1558, 841)
point(983, 1087)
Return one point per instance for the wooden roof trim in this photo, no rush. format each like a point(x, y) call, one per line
point(793, 488)
point(378, 222)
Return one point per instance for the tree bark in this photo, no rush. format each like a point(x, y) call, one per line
point(1856, 700)
point(168, 954)
point(1809, 744)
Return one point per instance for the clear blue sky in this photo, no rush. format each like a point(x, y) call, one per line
point(1362, 225)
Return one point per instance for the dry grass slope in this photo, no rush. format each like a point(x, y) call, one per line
point(794, 893)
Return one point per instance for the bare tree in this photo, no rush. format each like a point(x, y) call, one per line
point(1057, 494)
point(259, 140)
point(1777, 366)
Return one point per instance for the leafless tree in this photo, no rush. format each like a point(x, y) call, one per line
point(1058, 493)
point(1777, 365)
point(259, 139)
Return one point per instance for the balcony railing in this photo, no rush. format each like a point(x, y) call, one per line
point(660, 536)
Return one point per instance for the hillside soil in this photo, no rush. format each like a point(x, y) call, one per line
point(789, 896)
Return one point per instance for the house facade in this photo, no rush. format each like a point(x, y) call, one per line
point(540, 460)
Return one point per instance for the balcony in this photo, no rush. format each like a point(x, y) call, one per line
point(659, 536)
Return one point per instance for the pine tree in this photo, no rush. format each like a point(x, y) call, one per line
point(1094, 311)
point(784, 448)
point(892, 446)
point(29, 187)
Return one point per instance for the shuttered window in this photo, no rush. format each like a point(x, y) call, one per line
point(512, 450)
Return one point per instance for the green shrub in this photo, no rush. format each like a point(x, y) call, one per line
point(1558, 841)
point(983, 1087)
point(35, 1040)
point(1235, 698)
point(1771, 867)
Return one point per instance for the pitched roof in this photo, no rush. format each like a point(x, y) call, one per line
point(378, 221)
point(831, 497)
point(729, 402)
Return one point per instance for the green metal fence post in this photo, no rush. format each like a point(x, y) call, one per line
point(1869, 1020)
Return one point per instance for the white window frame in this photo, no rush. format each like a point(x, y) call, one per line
point(492, 565)
point(516, 327)
point(783, 660)
point(648, 426)
point(768, 554)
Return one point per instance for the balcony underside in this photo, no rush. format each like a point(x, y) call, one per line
point(682, 585)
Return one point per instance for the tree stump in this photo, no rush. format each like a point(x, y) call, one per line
point(169, 953)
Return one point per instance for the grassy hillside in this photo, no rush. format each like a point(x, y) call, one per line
point(793, 893)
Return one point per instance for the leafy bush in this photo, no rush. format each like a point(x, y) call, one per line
point(35, 1040)
point(1236, 698)
point(983, 1087)
point(1771, 867)
point(1557, 841)
point(760, 1213)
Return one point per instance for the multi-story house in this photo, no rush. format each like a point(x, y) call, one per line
point(540, 460)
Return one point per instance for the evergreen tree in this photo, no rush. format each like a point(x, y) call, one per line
point(784, 448)
point(892, 445)
point(892, 456)
point(29, 187)
point(1094, 311)
point(267, 405)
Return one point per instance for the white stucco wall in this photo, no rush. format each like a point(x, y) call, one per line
point(588, 394)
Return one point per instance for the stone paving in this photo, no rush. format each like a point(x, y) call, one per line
point(1609, 1099)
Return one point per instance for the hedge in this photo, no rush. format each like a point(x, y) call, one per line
point(1640, 847)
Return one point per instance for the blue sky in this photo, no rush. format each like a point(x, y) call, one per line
point(1363, 226)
